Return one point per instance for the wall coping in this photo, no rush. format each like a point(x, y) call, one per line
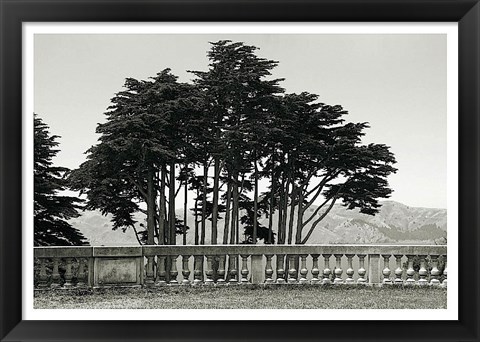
point(152, 250)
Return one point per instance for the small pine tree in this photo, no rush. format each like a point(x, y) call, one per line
point(51, 210)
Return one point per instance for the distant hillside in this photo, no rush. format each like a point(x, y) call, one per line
point(396, 223)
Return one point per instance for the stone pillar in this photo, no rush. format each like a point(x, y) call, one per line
point(257, 271)
point(198, 270)
point(315, 269)
point(350, 272)
point(326, 271)
point(280, 269)
point(361, 271)
point(303, 269)
point(209, 271)
point(221, 270)
point(149, 277)
point(185, 270)
point(374, 271)
point(410, 281)
point(43, 280)
point(244, 272)
point(434, 273)
point(269, 269)
point(386, 270)
point(422, 272)
point(444, 282)
point(161, 272)
point(338, 269)
point(292, 271)
point(399, 270)
point(55, 274)
point(68, 274)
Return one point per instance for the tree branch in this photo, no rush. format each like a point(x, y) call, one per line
point(157, 217)
point(136, 235)
point(312, 228)
point(178, 190)
point(316, 212)
point(139, 187)
point(319, 191)
point(311, 191)
point(320, 186)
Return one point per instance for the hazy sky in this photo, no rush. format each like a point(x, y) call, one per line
point(396, 82)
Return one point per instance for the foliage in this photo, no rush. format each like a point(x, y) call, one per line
point(237, 120)
point(52, 210)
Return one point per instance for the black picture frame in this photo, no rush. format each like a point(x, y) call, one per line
point(14, 13)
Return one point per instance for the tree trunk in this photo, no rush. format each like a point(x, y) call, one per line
point(157, 205)
point(280, 236)
point(216, 180)
point(237, 221)
point(227, 213)
point(196, 219)
point(185, 208)
point(285, 209)
point(150, 207)
point(161, 223)
point(292, 213)
point(233, 231)
point(271, 209)
point(255, 199)
point(298, 236)
point(171, 204)
point(204, 202)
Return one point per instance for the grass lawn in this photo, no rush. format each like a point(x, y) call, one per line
point(239, 297)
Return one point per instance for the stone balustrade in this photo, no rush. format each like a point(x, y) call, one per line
point(217, 265)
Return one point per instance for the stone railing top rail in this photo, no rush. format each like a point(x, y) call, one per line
point(152, 250)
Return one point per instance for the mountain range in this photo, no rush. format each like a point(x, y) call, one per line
point(395, 223)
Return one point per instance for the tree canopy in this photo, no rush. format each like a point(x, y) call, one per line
point(219, 137)
point(52, 210)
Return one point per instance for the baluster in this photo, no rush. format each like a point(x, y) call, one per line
point(209, 271)
point(173, 270)
point(68, 273)
point(326, 272)
point(149, 281)
point(55, 274)
point(280, 269)
point(43, 277)
point(315, 269)
point(399, 270)
point(233, 260)
point(338, 269)
point(444, 282)
point(185, 270)
point(386, 270)
point(81, 277)
point(410, 272)
point(303, 269)
point(268, 269)
point(422, 273)
point(197, 270)
point(221, 270)
point(244, 271)
point(350, 272)
point(292, 271)
point(361, 271)
point(434, 273)
point(161, 271)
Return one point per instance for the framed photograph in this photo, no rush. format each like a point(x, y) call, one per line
point(239, 170)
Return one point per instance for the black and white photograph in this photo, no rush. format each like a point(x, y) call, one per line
point(239, 170)
point(234, 171)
